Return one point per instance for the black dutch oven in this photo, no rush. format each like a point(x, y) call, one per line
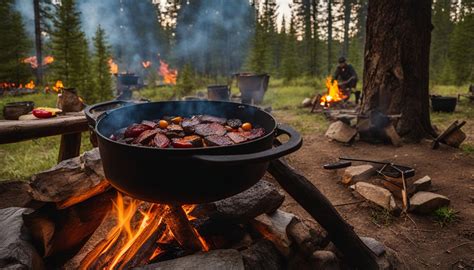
point(443, 104)
point(186, 176)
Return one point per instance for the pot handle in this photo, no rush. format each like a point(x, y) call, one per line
point(92, 119)
point(293, 144)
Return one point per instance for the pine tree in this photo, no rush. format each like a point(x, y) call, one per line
point(185, 81)
point(67, 45)
point(290, 59)
point(102, 78)
point(443, 27)
point(14, 46)
point(86, 84)
point(461, 53)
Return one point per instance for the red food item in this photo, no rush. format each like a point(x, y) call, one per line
point(188, 124)
point(236, 137)
point(210, 129)
point(135, 130)
point(146, 136)
point(216, 140)
point(212, 119)
point(187, 142)
point(253, 134)
point(149, 123)
point(161, 141)
point(42, 113)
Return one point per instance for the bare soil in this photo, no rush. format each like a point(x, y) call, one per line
point(419, 241)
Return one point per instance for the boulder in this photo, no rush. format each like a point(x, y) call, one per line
point(424, 202)
point(14, 194)
point(212, 260)
point(306, 102)
point(263, 256)
point(274, 227)
point(354, 174)
point(16, 251)
point(377, 195)
point(341, 132)
point(374, 245)
point(422, 184)
point(323, 259)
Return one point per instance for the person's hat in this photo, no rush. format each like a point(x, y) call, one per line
point(342, 59)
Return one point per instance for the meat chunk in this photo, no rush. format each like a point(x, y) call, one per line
point(135, 130)
point(188, 124)
point(187, 142)
point(174, 131)
point(212, 119)
point(210, 129)
point(236, 137)
point(146, 136)
point(151, 124)
point(216, 140)
point(234, 123)
point(160, 141)
point(253, 134)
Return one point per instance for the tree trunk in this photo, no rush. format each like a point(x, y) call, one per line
point(396, 63)
point(329, 35)
point(347, 20)
point(39, 51)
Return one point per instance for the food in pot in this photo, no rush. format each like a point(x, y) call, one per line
point(191, 132)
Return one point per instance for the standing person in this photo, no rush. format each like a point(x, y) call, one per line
point(347, 78)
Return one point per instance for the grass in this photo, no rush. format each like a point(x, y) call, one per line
point(381, 216)
point(445, 215)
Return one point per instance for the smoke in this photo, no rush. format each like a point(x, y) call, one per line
point(25, 8)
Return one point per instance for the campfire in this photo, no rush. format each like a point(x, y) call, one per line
point(113, 66)
point(169, 75)
point(58, 86)
point(333, 95)
point(146, 64)
point(34, 62)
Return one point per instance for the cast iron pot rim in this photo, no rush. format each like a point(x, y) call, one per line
point(200, 149)
point(19, 103)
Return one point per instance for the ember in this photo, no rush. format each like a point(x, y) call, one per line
point(334, 94)
point(113, 66)
point(169, 75)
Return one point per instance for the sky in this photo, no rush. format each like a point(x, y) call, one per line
point(283, 10)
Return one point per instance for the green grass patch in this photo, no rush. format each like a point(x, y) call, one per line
point(21, 160)
point(381, 216)
point(445, 215)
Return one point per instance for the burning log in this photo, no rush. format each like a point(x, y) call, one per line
point(182, 230)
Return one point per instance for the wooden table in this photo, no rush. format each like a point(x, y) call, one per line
point(69, 126)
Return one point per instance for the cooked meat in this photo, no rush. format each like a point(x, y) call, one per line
point(146, 136)
point(149, 123)
point(212, 119)
point(187, 142)
point(253, 134)
point(188, 124)
point(210, 129)
point(216, 140)
point(236, 137)
point(161, 141)
point(135, 130)
point(234, 123)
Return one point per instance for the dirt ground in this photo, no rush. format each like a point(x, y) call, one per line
point(418, 241)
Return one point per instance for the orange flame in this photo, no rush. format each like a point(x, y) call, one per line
point(334, 94)
point(34, 62)
point(133, 220)
point(169, 75)
point(58, 86)
point(146, 64)
point(113, 66)
point(30, 85)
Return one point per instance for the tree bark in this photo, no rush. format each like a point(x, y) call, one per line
point(396, 64)
point(329, 35)
point(347, 20)
point(39, 50)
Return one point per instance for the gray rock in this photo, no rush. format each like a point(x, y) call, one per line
point(426, 202)
point(92, 163)
point(377, 195)
point(422, 184)
point(306, 102)
point(324, 260)
point(263, 256)
point(341, 132)
point(374, 245)
point(16, 251)
point(213, 260)
point(14, 194)
point(261, 198)
point(354, 174)
point(275, 226)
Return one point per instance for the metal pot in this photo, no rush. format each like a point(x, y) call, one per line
point(218, 92)
point(186, 176)
point(13, 110)
point(443, 104)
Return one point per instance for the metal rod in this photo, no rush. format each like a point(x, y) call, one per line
point(366, 160)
